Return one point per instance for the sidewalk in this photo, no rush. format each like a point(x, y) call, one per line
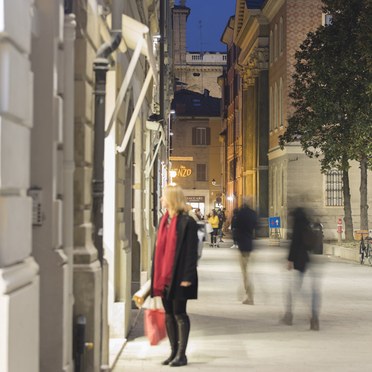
point(225, 334)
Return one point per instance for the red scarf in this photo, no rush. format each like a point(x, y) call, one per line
point(164, 254)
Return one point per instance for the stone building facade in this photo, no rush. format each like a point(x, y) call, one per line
point(200, 168)
point(195, 149)
point(267, 35)
point(194, 70)
point(62, 269)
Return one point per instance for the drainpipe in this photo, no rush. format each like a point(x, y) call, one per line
point(156, 180)
point(161, 56)
point(100, 68)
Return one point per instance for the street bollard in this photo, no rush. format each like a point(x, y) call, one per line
point(339, 229)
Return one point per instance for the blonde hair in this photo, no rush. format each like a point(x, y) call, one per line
point(175, 198)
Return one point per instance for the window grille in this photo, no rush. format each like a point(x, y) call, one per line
point(334, 194)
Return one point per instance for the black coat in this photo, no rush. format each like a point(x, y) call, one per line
point(298, 249)
point(185, 261)
point(243, 225)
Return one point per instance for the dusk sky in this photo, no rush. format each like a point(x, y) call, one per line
point(213, 15)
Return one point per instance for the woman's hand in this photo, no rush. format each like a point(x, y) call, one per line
point(289, 265)
point(185, 284)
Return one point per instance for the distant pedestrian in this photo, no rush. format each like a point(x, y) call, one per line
point(201, 228)
point(174, 274)
point(243, 226)
point(214, 222)
point(303, 241)
point(232, 224)
point(221, 221)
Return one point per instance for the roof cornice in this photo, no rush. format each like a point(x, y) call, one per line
point(271, 8)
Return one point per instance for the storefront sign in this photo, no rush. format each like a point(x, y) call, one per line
point(195, 199)
point(182, 171)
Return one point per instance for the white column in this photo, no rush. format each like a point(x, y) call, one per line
point(68, 184)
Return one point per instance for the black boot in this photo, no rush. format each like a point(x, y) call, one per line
point(183, 325)
point(171, 326)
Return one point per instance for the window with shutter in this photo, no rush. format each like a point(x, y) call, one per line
point(201, 136)
point(201, 172)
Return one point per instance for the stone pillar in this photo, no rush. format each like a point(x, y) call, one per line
point(180, 14)
point(263, 143)
point(50, 174)
point(249, 133)
point(68, 184)
point(88, 282)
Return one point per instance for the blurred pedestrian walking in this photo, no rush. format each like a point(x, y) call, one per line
point(233, 223)
point(243, 226)
point(303, 242)
point(174, 273)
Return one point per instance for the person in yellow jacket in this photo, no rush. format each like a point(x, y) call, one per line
point(214, 222)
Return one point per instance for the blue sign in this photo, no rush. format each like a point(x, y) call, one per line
point(274, 222)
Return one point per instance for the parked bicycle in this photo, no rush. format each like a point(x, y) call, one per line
point(365, 250)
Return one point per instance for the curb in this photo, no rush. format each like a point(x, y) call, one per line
point(350, 254)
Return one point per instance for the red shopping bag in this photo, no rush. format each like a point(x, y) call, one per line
point(154, 325)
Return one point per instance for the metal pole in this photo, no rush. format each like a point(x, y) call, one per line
point(162, 40)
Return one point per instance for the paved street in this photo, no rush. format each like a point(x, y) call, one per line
point(227, 335)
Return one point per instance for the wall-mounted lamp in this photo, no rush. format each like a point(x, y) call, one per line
point(214, 183)
point(231, 197)
point(173, 173)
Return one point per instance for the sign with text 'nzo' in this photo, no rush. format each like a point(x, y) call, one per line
point(274, 222)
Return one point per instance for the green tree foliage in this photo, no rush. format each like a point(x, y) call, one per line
point(331, 93)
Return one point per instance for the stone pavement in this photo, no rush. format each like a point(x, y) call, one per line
point(227, 335)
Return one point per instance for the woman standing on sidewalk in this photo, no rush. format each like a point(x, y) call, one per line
point(214, 222)
point(174, 274)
